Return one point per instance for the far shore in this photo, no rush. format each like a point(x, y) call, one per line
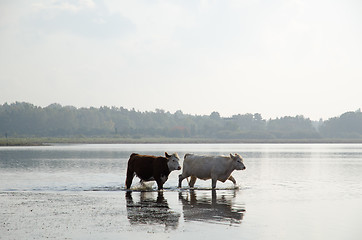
point(44, 141)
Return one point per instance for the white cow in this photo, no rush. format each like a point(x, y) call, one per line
point(210, 167)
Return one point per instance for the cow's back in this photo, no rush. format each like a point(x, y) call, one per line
point(136, 159)
point(203, 160)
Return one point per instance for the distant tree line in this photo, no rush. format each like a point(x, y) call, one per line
point(22, 119)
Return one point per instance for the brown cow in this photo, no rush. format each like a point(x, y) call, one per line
point(151, 168)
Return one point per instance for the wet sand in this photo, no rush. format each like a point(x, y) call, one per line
point(172, 215)
point(114, 215)
point(32, 215)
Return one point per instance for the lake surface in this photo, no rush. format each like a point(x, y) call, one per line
point(288, 191)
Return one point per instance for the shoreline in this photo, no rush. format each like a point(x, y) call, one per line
point(46, 141)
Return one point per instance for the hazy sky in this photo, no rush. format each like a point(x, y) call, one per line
point(277, 58)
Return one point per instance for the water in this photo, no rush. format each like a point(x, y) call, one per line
point(288, 191)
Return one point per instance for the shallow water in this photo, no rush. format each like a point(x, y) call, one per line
point(288, 191)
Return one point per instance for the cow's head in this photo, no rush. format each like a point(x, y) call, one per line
point(173, 161)
point(238, 161)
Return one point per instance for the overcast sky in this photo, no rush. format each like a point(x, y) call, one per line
point(277, 58)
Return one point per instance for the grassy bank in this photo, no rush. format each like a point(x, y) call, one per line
point(36, 141)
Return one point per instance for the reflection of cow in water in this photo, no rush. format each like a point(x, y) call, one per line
point(214, 210)
point(151, 211)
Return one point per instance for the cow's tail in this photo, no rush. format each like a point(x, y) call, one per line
point(186, 155)
point(130, 161)
point(130, 170)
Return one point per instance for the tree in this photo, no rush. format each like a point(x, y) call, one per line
point(25, 119)
point(215, 116)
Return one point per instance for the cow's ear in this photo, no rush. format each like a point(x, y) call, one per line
point(167, 156)
point(232, 157)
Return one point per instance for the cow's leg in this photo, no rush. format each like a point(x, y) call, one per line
point(180, 179)
point(231, 178)
point(213, 183)
point(192, 181)
point(129, 178)
point(159, 184)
